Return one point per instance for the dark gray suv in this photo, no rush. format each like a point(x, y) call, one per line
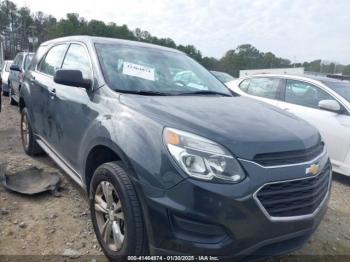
point(172, 167)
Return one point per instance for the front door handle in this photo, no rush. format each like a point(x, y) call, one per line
point(52, 93)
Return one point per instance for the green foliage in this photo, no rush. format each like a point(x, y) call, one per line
point(248, 57)
point(17, 24)
point(346, 70)
point(211, 63)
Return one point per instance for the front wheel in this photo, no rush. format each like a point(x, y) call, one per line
point(116, 213)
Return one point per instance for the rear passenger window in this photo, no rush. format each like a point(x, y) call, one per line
point(264, 87)
point(244, 85)
point(53, 60)
point(78, 59)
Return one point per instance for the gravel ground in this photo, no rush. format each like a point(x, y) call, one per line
point(41, 224)
point(61, 227)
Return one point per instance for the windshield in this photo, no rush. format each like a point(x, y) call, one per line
point(223, 77)
point(136, 69)
point(342, 88)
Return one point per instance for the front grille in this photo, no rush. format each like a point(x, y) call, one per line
point(295, 198)
point(289, 157)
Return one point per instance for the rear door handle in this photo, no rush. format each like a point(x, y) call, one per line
point(32, 79)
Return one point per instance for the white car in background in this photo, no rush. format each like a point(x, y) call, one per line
point(5, 71)
point(322, 101)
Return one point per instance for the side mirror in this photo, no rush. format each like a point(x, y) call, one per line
point(330, 105)
point(14, 67)
point(71, 78)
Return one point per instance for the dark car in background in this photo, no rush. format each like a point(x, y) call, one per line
point(223, 77)
point(172, 167)
point(0, 92)
point(17, 70)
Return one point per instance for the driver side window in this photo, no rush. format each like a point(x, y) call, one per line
point(78, 59)
point(305, 94)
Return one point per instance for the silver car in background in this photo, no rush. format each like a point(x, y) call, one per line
point(17, 70)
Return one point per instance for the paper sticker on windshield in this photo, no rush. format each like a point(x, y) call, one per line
point(138, 71)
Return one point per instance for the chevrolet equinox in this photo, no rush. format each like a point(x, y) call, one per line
point(171, 161)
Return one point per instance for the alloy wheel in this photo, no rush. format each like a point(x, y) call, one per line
point(110, 216)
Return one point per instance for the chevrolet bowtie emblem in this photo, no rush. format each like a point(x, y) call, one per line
point(314, 169)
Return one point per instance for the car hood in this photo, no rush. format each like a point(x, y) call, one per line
point(245, 126)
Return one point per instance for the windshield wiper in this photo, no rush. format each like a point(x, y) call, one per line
point(144, 93)
point(204, 92)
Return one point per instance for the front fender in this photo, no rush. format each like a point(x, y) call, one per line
point(100, 141)
point(137, 140)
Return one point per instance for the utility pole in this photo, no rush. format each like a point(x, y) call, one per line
point(32, 27)
point(294, 61)
point(1, 51)
point(12, 32)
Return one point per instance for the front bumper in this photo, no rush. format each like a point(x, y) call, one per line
point(196, 217)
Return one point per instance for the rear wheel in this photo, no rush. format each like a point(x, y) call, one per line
point(116, 213)
point(29, 143)
point(12, 101)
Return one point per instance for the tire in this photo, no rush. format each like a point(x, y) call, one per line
point(112, 177)
point(29, 143)
point(5, 93)
point(12, 101)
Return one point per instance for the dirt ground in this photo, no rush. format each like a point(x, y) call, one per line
point(61, 227)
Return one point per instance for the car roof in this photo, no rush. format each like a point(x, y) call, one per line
point(106, 40)
point(304, 76)
point(24, 53)
point(219, 72)
point(325, 79)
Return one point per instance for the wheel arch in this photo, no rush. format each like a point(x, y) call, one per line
point(101, 152)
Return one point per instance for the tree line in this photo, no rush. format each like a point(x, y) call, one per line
point(20, 28)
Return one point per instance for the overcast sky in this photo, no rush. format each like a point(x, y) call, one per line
point(294, 29)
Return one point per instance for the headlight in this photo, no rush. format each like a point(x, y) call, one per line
point(202, 158)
